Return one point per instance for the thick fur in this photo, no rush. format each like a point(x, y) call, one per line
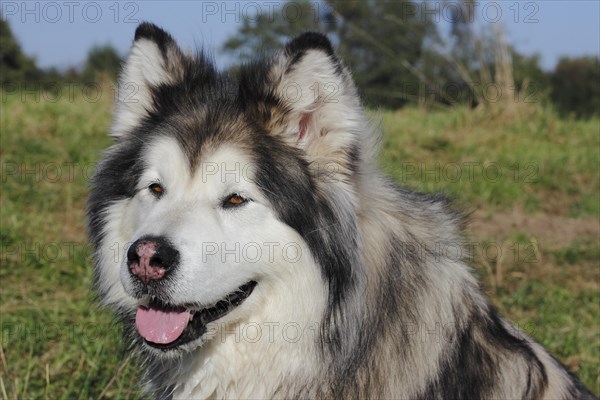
point(370, 308)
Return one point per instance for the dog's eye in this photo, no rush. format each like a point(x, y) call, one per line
point(234, 200)
point(156, 189)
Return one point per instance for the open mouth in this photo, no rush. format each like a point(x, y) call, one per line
point(166, 327)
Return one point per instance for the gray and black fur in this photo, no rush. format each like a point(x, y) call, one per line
point(401, 319)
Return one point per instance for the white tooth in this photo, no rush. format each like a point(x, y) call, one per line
point(144, 301)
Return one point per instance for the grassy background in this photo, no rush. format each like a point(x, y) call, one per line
point(531, 181)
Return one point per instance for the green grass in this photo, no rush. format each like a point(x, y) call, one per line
point(497, 163)
point(57, 344)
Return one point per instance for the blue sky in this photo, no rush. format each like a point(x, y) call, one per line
point(60, 33)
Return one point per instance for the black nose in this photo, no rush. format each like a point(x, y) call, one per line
point(151, 258)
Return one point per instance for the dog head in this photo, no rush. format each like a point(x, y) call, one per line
point(223, 199)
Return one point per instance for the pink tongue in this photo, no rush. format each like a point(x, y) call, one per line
point(162, 327)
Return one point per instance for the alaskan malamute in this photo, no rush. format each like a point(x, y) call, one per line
point(262, 255)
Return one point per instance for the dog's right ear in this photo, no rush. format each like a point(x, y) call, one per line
point(154, 60)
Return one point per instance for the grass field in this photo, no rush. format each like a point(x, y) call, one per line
point(531, 182)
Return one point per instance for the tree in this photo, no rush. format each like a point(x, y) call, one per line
point(268, 31)
point(102, 60)
point(529, 76)
point(384, 42)
point(576, 86)
point(381, 41)
point(483, 67)
point(15, 66)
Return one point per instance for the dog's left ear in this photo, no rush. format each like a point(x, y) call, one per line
point(309, 100)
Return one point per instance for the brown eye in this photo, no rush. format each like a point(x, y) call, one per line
point(156, 189)
point(234, 200)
